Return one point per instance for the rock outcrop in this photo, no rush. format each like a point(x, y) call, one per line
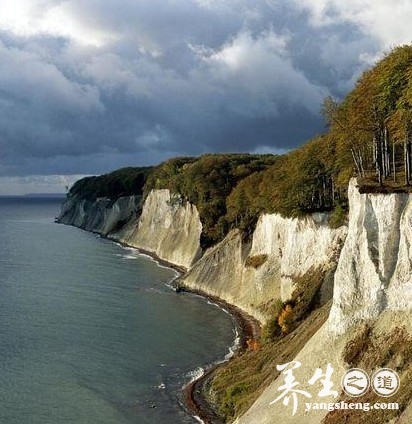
point(374, 273)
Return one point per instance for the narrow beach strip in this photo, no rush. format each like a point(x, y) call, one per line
point(248, 329)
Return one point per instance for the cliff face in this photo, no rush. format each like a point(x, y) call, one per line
point(287, 248)
point(375, 267)
point(171, 229)
point(167, 227)
point(372, 282)
point(101, 216)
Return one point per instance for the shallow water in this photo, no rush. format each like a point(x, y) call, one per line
point(90, 331)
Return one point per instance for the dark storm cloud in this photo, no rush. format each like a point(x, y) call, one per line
point(88, 86)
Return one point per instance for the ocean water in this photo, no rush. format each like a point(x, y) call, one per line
point(90, 332)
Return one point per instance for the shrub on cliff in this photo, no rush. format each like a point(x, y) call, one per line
point(271, 330)
point(256, 261)
point(286, 319)
point(338, 216)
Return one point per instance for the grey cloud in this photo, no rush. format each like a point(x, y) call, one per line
point(182, 77)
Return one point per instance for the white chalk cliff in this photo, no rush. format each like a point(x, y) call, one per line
point(101, 216)
point(170, 228)
point(375, 267)
point(372, 283)
point(291, 246)
point(167, 227)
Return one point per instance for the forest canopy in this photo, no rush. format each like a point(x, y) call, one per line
point(122, 182)
point(372, 127)
point(207, 182)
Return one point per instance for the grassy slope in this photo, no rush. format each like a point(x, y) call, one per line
point(240, 382)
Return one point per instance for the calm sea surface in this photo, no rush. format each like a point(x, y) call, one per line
point(89, 331)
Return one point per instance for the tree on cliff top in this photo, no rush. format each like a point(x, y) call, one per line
point(374, 122)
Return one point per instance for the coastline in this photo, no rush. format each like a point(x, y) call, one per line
point(179, 269)
point(247, 326)
point(248, 329)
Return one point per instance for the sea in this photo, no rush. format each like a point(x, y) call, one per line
point(90, 331)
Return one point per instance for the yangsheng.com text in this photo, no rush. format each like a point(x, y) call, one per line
point(351, 405)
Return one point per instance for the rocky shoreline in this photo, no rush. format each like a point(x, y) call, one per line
point(248, 329)
point(194, 396)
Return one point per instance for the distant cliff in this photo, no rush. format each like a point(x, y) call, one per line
point(165, 226)
point(102, 216)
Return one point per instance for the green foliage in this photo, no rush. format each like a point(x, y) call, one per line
point(305, 297)
point(286, 316)
point(207, 182)
point(168, 175)
point(123, 182)
point(271, 330)
point(233, 397)
point(298, 183)
point(370, 124)
point(338, 216)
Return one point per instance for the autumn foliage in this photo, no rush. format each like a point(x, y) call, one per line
point(253, 344)
point(285, 319)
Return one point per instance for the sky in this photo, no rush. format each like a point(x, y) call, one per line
point(89, 86)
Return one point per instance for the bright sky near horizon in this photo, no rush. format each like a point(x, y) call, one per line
point(87, 87)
